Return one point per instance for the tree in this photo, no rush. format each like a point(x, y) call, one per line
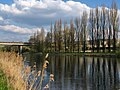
point(92, 27)
point(66, 36)
point(72, 35)
point(114, 23)
point(39, 40)
point(51, 36)
point(109, 31)
point(42, 34)
point(77, 23)
point(48, 42)
point(97, 28)
point(55, 36)
point(60, 40)
point(103, 23)
point(83, 28)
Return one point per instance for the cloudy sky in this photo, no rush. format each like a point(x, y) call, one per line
point(21, 18)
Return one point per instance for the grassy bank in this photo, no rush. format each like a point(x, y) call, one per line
point(3, 82)
point(11, 64)
point(100, 54)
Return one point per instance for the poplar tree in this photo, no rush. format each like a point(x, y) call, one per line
point(97, 12)
point(92, 27)
point(77, 23)
point(51, 36)
point(72, 35)
point(84, 27)
point(114, 23)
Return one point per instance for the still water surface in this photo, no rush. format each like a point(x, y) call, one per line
point(74, 72)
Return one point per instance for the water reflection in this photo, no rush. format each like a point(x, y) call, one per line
point(83, 73)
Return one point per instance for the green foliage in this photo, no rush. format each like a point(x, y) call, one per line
point(3, 82)
point(1, 48)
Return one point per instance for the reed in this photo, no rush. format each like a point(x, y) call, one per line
point(40, 76)
point(12, 64)
point(19, 76)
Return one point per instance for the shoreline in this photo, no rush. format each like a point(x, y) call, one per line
point(89, 54)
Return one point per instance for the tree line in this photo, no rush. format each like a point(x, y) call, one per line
point(94, 32)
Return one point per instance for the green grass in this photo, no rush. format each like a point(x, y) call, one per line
point(3, 82)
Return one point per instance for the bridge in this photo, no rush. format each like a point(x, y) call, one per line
point(19, 44)
point(16, 43)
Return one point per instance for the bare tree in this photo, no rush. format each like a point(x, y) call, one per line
point(51, 36)
point(48, 42)
point(55, 36)
point(98, 28)
point(72, 35)
point(66, 36)
point(109, 31)
point(92, 27)
point(77, 23)
point(60, 40)
point(103, 23)
point(114, 22)
point(84, 27)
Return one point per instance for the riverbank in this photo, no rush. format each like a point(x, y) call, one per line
point(12, 64)
point(90, 54)
point(3, 82)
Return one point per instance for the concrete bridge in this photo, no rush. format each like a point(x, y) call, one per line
point(19, 44)
point(16, 43)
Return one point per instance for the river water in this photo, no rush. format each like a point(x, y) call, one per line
point(74, 72)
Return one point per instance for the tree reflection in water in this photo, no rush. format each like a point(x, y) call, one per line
point(84, 73)
point(73, 72)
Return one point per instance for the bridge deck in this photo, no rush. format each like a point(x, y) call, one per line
point(16, 43)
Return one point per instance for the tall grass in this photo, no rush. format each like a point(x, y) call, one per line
point(12, 65)
point(22, 77)
point(3, 82)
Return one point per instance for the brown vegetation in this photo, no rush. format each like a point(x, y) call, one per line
point(18, 75)
point(12, 65)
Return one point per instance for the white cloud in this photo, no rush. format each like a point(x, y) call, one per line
point(9, 9)
point(1, 19)
point(41, 12)
point(17, 29)
point(36, 13)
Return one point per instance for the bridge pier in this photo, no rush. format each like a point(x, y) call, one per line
point(20, 49)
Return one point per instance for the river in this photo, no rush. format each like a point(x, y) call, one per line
point(74, 72)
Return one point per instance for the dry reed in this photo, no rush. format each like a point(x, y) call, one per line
point(18, 75)
point(12, 65)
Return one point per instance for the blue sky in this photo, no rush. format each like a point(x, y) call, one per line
point(95, 3)
point(6, 1)
point(90, 3)
point(21, 18)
